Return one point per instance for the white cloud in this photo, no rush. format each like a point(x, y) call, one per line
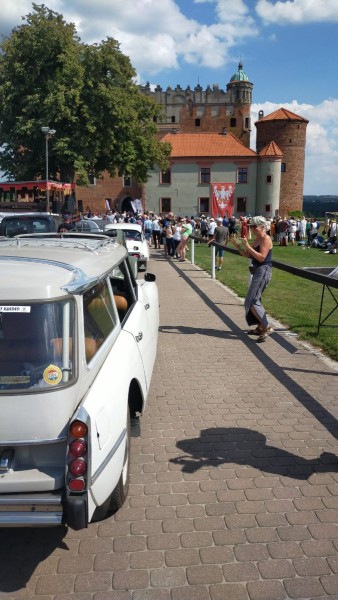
point(155, 35)
point(297, 11)
point(321, 154)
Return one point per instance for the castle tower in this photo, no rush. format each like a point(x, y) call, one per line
point(288, 131)
point(239, 91)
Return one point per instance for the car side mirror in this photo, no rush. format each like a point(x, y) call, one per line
point(149, 277)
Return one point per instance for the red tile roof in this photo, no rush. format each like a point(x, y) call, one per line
point(206, 145)
point(271, 149)
point(282, 114)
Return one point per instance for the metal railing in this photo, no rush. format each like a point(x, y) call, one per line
point(328, 282)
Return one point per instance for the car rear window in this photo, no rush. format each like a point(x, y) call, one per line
point(36, 345)
point(22, 225)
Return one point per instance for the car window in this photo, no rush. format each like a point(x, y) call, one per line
point(36, 345)
point(124, 288)
point(22, 225)
point(99, 316)
point(132, 235)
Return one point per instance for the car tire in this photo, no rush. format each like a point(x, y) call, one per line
point(120, 492)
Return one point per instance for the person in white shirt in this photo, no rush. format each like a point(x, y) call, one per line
point(211, 228)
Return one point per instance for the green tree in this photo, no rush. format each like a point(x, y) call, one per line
point(85, 92)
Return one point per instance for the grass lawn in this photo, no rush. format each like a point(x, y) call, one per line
point(290, 299)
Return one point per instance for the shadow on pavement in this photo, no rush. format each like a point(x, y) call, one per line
point(308, 401)
point(221, 445)
point(22, 550)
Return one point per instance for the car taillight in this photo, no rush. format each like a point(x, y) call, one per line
point(78, 429)
point(78, 467)
point(77, 456)
point(78, 448)
point(77, 485)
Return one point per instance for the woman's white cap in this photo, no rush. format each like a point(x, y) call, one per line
point(260, 221)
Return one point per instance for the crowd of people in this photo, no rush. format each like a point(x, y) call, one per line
point(172, 232)
point(253, 237)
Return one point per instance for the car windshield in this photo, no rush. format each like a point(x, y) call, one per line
point(131, 234)
point(36, 345)
point(22, 225)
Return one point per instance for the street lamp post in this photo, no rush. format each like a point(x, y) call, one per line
point(48, 134)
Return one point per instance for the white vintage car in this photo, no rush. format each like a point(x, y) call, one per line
point(78, 338)
point(135, 240)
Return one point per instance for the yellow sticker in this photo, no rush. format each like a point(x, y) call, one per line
point(52, 375)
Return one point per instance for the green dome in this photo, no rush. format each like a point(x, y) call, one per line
point(240, 75)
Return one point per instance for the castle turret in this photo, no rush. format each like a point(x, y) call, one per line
point(288, 130)
point(239, 91)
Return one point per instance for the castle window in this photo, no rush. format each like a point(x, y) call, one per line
point(242, 175)
point(173, 119)
point(166, 176)
point(241, 205)
point(203, 205)
point(127, 181)
point(197, 122)
point(268, 208)
point(283, 167)
point(165, 205)
point(214, 112)
point(200, 111)
point(205, 175)
point(247, 123)
point(269, 179)
point(91, 179)
point(233, 122)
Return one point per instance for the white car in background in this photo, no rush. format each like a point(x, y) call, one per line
point(135, 240)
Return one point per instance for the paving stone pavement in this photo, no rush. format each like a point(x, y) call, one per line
point(233, 491)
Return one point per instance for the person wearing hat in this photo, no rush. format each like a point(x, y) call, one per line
point(221, 236)
point(260, 253)
point(204, 227)
point(211, 228)
point(66, 225)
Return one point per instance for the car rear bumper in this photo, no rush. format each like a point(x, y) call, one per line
point(43, 510)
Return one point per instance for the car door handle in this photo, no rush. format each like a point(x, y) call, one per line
point(139, 336)
point(147, 306)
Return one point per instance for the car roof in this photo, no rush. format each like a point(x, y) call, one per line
point(52, 266)
point(28, 214)
point(124, 226)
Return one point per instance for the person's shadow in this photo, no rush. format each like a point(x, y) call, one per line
point(220, 445)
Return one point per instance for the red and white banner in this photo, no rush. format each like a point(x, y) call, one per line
point(222, 199)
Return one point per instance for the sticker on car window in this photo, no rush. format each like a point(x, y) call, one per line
point(15, 309)
point(52, 375)
point(14, 379)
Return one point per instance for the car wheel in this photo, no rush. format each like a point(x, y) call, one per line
point(119, 494)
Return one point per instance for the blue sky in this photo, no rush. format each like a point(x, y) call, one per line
point(288, 49)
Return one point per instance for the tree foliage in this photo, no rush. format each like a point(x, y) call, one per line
point(85, 92)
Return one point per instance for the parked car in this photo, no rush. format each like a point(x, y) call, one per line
point(88, 226)
point(78, 337)
point(137, 244)
point(17, 224)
